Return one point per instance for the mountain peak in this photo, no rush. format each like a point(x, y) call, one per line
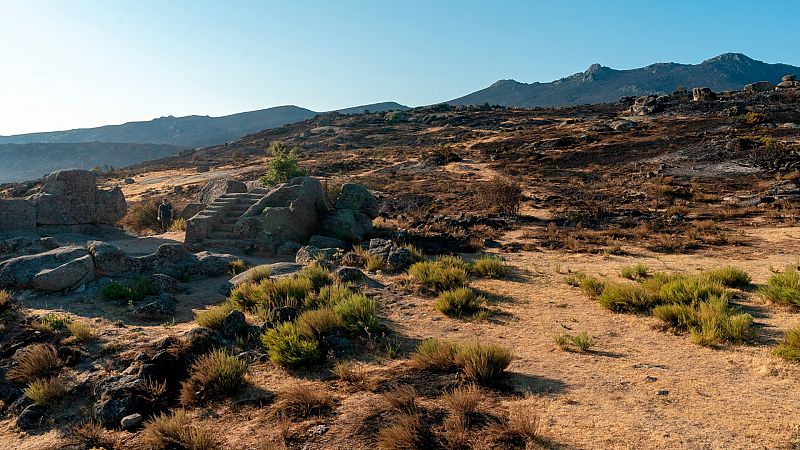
point(730, 57)
point(594, 68)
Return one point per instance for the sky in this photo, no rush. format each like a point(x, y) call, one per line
point(82, 63)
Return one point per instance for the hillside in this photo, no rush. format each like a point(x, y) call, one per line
point(20, 162)
point(188, 131)
point(599, 84)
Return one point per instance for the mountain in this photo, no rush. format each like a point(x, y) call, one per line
point(20, 162)
point(189, 131)
point(599, 84)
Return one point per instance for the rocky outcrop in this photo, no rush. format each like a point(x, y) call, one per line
point(68, 275)
point(758, 86)
point(217, 188)
point(109, 260)
point(703, 94)
point(18, 272)
point(17, 214)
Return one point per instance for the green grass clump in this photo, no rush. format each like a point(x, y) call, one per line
point(488, 266)
point(317, 275)
point(329, 295)
point(460, 301)
point(214, 316)
point(452, 261)
point(318, 322)
point(132, 290)
point(357, 313)
point(482, 363)
point(288, 347)
point(438, 276)
point(718, 322)
point(50, 323)
point(46, 391)
point(171, 431)
point(589, 285)
point(269, 294)
point(82, 331)
point(626, 298)
point(676, 315)
point(690, 291)
point(214, 375)
point(581, 342)
point(783, 288)
point(635, 272)
point(438, 355)
point(416, 253)
point(729, 277)
point(789, 349)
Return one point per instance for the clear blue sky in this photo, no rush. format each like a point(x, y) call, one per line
point(81, 63)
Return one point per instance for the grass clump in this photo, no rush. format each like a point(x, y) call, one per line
point(132, 290)
point(213, 375)
point(690, 291)
point(178, 224)
point(488, 266)
point(305, 400)
point(357, 313)
point(783, 288)
point(169, 431)
point(269, 294)
point(237, 266)
point(483, 363)
point(258, 273)
point(46, 391)
point(371, 263)
point(317, 275)
point(620, 297)
point(82, 331)
point(789, 348)
point(581, 342)
point(404, 432)
point(213, 317)
point(438, 276)
point(329, 295)
point(589, 285)
point(316, 323)
point(50, 323)
point(416, 253)
point(438, 355)
point(5, 299)
point(33, 362)
point(711, 322)
point(460, 301)
point(635, 272)
point(729, 277)
point(288, 347)
point(463, 401)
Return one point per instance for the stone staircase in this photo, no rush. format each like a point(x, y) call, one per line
point(214, 226)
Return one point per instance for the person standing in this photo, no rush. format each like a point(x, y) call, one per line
point(165, 215)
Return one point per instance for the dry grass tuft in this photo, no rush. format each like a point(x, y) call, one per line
point(402, 398)
point(459, 302)
point(175, 431)
point(213, 376)
point(435, 354)
point(46, 391)
point(91, 435)
point(34, 361)
point(304, 400)
point(483, 363)
point(82, 331)
point(463, 401)
point(404, 432)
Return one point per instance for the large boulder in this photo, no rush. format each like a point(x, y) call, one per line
point(703, 94)
point(358, 198)
point(216, 188)
point(191, 210)
point(759, 86)
point(276, 270)
point(111, 206)
point(18, 272)
point(347, 225)
point(68, 275)
point(109, 260)
point(157, 307)
point(67, 197)
point(17, 214)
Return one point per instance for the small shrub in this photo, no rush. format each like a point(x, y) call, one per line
point(563, 341)
point(635, 272)
point(142, 216)
point(317, 275)
point(283, 166)
point(459, 301)
point(32, 362)
point(50, 323)
point(783, 288)
point(5, 299)
point(756, 118)
point(305, 400)
point(289, 291)
point(329, 295)
point(82, 331)
point(318, 322)
point(435, 354)
point(789, 348)
point(170, 431)
point(237, 266)
point(589, 285)
point(488, 266)
point(583, 341)
point(717, 322)
point(213, 375)
point(501, 194)
point(483, 363)
point(178, 224)
point(729, 277)
point(357, 313)
point(437, 277)
point(288, 347)
point(463, 401)
point(213, 317)
point(46, 391)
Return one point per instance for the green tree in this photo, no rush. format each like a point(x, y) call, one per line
point(283, 166)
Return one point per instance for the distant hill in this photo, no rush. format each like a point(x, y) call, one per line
point(189, 131)
point(21, 162)
point(600, 84)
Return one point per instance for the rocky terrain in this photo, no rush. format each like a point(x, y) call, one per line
point(615, 275)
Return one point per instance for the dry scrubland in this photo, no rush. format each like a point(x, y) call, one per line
point(617, 282)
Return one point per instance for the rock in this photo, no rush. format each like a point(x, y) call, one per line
point(662, 392)
point(191, 210)
point(400, 259)
point(283, 314)
point(19, 271)
point(17, 214)
point(277, 270)
point(789, 78)
point(346, 274)
point(308, 254)
point(111, 411)
point(348, 225)
point(129, 181)
point(623, 125)
point(216, 188)
point(326, 242)
point(158, 307)
point(108, 259)
point(233, 323)
point(163, 283)
point(358, 198)
point(212, 264)
point(786, 84)
point(130, 422)
point(703, 94)
point(67, 197)
point(319, 430)
point(68, 275)
point(380, 248)
point(31, 417)
point(288, 248)
point(759, 86)
point(110, 206)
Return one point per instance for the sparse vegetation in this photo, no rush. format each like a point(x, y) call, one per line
point(213, 375)
point(581, 342)
point(460, 301)
point(46, 391)
point(502, 194)
point(178, 224)
point(282, 166)
point(789, 348)
point(488, 266)
point(783, 288)
point(142, 217)
point(214, 316)
point(438, 276)
point(33, 362)
point(288, 347)
point(175, 430)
